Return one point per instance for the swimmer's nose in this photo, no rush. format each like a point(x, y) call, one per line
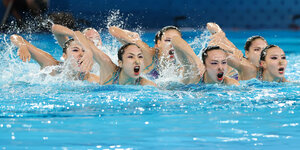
point(137, 61)
point(220, 66)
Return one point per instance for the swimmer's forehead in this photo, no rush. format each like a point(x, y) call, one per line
point(74, 44)
point(275, 51)
point(171, 33)
point(216, 54)
point(132, 49)
point(259, 43)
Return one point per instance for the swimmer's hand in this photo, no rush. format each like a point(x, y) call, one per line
point(23, 53)
point(213, 28)
point(86, 62)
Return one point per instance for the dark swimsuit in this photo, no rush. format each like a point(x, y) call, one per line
point(154, 73)
point(116, 75)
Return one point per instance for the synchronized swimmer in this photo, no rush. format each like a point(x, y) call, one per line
point(221, 63)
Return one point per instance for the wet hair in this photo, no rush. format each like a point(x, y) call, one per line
point(156, 37)
point(251, 39)
point(207, 49)
point(121, 50)
point(263, 53)
point(66, 45)
point(160, 33)
point(87, 29)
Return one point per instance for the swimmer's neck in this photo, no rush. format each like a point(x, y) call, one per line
point(208, 80)
point(267, 76)
point(124, 79)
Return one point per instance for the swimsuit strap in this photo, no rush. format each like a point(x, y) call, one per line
point(81, 76)
point(154, 60)
point(138, 81)
point(201, 81)
point(259, 74)
point(115, 77)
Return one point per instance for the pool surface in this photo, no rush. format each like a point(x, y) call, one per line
point(54, 113)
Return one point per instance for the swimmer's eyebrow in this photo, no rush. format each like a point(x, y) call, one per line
point(75, 47)
point(131, 54)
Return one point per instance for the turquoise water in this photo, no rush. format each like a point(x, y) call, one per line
point(52, 113)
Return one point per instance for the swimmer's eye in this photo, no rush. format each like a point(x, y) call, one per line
point(283, 57)
point(274, 58)
point(214, 63)
point(74, 50)
point(257, 49)
point(224, 62)
point(141, 56)
point(168, 40)
point(130, 57)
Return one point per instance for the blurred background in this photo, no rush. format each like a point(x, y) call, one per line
point(149, 14)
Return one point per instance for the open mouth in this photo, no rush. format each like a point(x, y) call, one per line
point(220, 76)
point(281, 70)
point(136, 70)
point(171, 53)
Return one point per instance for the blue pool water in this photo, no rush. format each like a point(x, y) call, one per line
point(52, 113)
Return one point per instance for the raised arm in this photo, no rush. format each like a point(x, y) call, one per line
point(125, 36)
point(107, 67)
point(219, 38)
point(234, 55)
point(43, 58)
point(61, 33)
point(189, 60)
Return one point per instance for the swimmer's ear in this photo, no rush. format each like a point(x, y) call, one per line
point(120, 63)
point(65, 56)
point(247, 53)
point(263, 64)
point(158, 43)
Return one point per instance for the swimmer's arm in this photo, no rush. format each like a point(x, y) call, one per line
point(107, 67)
point(240, 64)
point(230, 81)
point(187, 56)
point(61, 33)
point(43, 58)
point(147, 82)
point(219, 38)
point(125, 36)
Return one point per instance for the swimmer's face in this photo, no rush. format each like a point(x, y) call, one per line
point(94, 36)
point(275, 62)
point(253, 54)
point(74, 52)
point(216, 65)
point(133, 61)
point(165, 43)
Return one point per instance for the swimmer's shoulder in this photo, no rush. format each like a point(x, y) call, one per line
point(147, 82)
point(230, 81)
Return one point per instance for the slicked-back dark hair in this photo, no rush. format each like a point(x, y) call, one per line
point(207, 49)
point(263, 53)
point(251, 39)
point(121, 50)
point(160, 33)
point(67, 44)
